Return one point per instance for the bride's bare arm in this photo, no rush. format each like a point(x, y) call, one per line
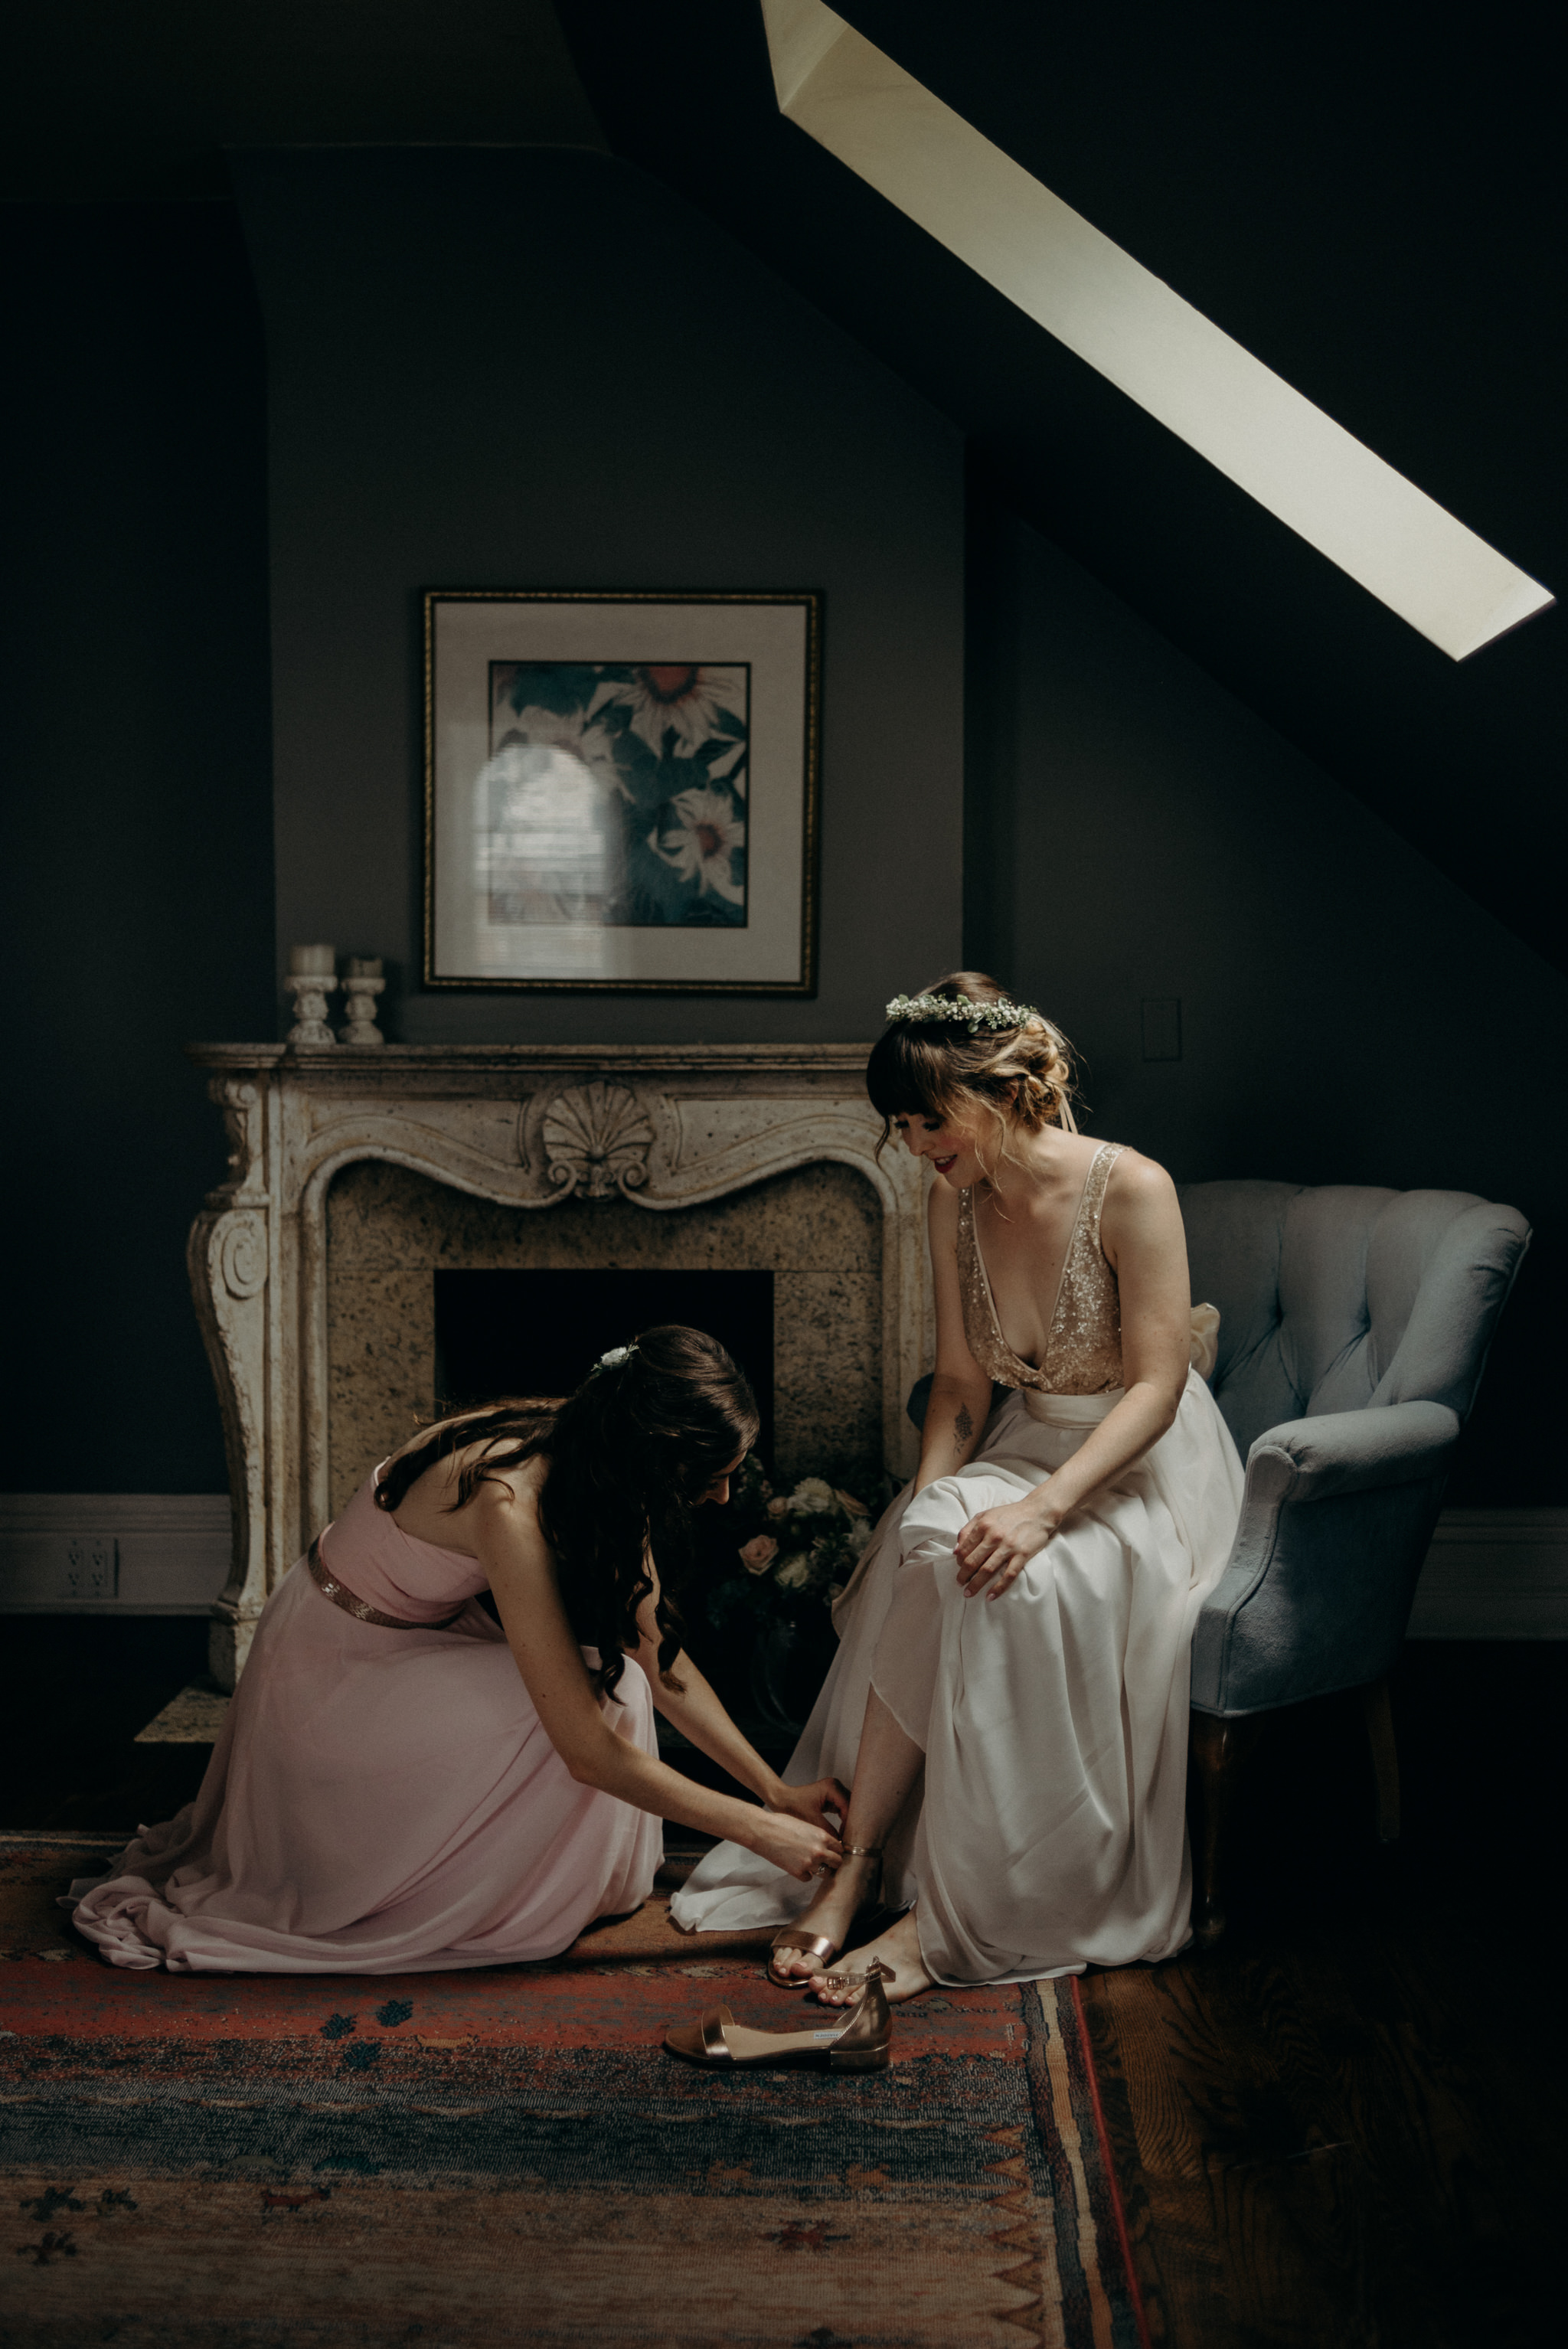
point(1146, 1246)
point(960, 1397)
point(502, 1524)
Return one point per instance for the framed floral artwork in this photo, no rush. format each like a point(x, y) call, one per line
point(621, 791)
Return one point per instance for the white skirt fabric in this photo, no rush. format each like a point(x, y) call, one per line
point(1049, 1830)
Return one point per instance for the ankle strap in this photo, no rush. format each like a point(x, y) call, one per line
point(862, 1851)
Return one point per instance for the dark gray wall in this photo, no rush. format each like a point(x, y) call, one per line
point(1348, 1014)
point(137, 867)
point(541, 368)
point(533, 368)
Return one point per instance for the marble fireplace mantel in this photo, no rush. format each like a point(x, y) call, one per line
point(525, 1126)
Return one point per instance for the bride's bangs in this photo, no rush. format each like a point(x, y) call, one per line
point(908, 1076)
point(903, 1075)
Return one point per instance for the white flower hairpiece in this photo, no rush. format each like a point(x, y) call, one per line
point(614, 1358)
point(961, 1011)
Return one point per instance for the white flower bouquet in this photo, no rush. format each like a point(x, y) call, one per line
point(801, 1547)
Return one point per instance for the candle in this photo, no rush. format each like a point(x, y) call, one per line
point(318, 961)
point(363, 966)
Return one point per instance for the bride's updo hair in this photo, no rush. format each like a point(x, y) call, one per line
point(1017, 1074)
point(631, 1454)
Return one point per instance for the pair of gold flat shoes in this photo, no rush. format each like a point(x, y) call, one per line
point(859, 2044)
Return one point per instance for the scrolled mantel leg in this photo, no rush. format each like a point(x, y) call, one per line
point(229, 1263)
point(1219, 1749)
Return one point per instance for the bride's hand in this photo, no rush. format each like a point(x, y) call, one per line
point(812, 1803)
point(995, 1547)
point(802, 1848)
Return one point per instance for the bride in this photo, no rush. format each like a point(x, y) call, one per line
point(401, 1785)
point(1010, 1693)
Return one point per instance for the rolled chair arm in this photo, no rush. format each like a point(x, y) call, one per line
point(1335, 1525)
point(1348, 1451)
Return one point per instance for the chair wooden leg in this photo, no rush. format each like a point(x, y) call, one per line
point(1379, 1722)
point(1219, 1748)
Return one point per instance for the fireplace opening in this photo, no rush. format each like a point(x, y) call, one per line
point(534, 1331)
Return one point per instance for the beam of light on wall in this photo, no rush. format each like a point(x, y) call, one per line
point(1311, 473)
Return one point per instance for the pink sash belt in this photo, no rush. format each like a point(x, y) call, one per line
point(341, 1595)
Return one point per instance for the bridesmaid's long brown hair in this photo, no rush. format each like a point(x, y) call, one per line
point(630, 1455)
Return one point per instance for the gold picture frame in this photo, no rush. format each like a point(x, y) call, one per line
point(622, 790)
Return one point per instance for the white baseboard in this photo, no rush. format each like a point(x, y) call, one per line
point(1490, 1573)
point(113, 1553)
point(1495, 1574)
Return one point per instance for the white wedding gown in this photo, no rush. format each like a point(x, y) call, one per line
point(1050, 1832)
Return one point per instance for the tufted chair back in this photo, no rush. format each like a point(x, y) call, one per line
point(1340, 1297)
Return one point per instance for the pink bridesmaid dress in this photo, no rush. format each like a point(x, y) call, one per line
point(381, 1800)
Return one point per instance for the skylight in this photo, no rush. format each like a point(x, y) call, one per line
point(1316, 476)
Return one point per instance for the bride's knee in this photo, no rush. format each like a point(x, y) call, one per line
point(937, 1516)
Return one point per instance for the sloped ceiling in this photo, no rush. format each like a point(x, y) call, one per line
point(1365, 203)
point(119, 100)
point(1367, 200)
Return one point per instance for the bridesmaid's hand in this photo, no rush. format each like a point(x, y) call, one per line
point(995, 1547)
point(797, 1846)
point(812, 1803)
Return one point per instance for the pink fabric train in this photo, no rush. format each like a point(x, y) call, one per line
point(379, 1800)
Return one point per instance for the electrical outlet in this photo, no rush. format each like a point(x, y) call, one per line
point(92, 1563)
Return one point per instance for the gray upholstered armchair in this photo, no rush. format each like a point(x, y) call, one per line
point(1354, 1329)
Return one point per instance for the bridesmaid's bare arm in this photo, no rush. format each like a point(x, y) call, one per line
point(502, 1523)
point(698, 1713)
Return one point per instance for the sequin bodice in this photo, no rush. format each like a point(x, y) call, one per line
point(1083, 1350)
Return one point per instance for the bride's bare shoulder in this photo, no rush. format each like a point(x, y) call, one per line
point(1137, 1185)
point(941, 1209)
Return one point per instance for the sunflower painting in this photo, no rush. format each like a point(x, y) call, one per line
point(615, 793)
point(602, 810)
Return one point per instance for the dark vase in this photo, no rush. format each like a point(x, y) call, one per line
point(789, 1661)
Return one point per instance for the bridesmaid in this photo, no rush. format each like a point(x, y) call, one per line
point(399, 1784)
point(1010, 1693)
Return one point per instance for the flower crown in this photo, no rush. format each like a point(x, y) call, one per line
point(959, 1011)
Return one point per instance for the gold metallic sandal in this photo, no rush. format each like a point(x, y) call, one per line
point(859, 2044)
point(878, 1971)
point(817, 1945)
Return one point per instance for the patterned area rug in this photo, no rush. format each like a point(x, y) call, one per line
point(507, 2157)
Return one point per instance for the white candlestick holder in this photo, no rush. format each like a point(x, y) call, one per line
point(310, 989)
point(362, 994)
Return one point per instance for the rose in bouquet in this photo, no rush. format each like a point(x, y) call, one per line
point(797, 1551)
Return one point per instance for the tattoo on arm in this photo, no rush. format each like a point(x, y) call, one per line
point(962, 1428)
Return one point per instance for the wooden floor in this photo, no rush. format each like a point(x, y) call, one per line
point(1343, 2127)
point(1345, 2124)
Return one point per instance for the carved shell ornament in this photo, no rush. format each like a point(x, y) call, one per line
point(597, 1141)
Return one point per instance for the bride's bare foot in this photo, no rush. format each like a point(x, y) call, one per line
point(898, 1948)
point(831, 1915)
